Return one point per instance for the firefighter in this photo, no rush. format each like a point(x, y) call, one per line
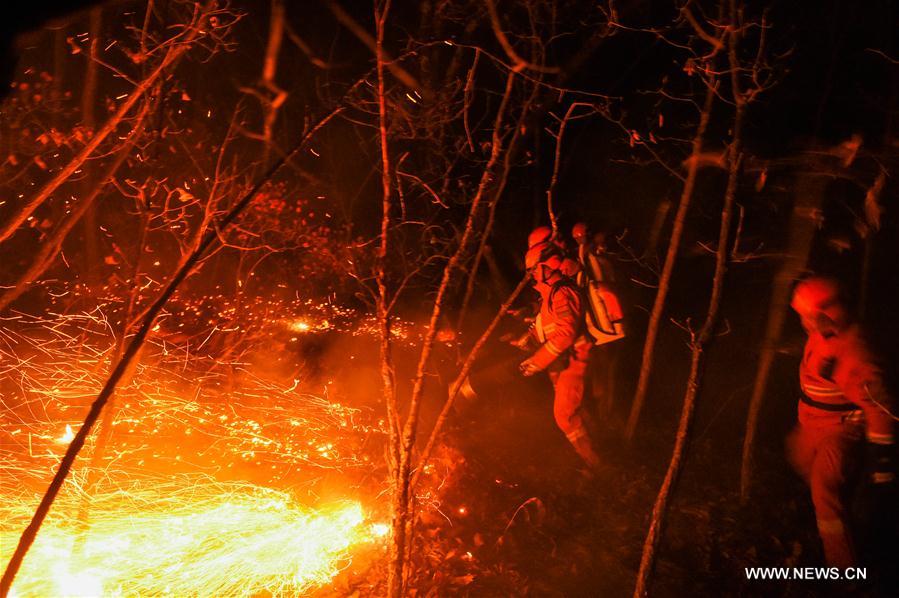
point(563, 350)
point(543, 237)
point(597, 273)
point(540, 236)
point(591, 253)
point(843, 403)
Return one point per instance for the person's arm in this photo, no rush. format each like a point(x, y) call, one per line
point(566, 310)
point(862, 383)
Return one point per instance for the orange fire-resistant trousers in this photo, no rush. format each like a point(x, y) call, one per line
point(826, 457)
point(568, 385)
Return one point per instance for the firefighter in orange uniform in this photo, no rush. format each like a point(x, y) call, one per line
point(543, 237)
point(591, 253)
point(564, 349)
point(843, 403)
point(597, 276)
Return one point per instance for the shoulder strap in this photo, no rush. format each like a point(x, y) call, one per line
point(565, 282)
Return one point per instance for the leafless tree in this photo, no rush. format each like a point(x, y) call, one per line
point(746, 83)
point(704, 43)
point(463, 137)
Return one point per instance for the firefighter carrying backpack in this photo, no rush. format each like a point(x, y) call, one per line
point(604, 316)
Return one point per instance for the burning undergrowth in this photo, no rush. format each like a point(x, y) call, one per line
point(217, 477)
point(190, 536)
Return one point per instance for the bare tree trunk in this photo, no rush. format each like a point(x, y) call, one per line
point(803, 223)
point(479, 254)
point(677, 230)
point(402, 513)
point(104, 436)
point(396, 566)
point(557, 159)
point(500, 187)
point(698, 343)
point(557, 163)
point(270, 66)
point(456, 386)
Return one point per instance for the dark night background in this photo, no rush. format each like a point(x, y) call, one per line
point(838, 77)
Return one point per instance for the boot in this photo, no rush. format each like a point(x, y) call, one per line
point(584, 448)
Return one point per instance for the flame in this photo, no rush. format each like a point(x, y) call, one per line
point(67, 437)
point(212, 540)
point(305, 325)
point(164, 519)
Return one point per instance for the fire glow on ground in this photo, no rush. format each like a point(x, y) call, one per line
point(207, 487)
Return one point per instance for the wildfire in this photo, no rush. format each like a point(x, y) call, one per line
point(67, 436)
point(198, 539)
point(304, 325)
point(146, 521)
point(182, 409)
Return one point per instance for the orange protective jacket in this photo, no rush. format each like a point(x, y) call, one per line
point(839, 379)
point(560, 327)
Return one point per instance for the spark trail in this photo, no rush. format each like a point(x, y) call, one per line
point(209, 487)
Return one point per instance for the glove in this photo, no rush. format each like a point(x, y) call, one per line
point(523, 342)
point(529, 368)
point(880, 460)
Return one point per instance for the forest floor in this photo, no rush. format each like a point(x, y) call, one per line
point(521, 519)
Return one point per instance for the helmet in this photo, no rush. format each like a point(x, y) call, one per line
point(814, 295)
point(537, 254)
point(545, 267)
point(818, 301)
point(579, 232)
point(540, 235)
point(554, 263)
point(570, 267)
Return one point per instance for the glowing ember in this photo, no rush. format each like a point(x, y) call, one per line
point(67, 437)
point(157, 526)
point(206, 540)
point(183, 410)
point(303, 325)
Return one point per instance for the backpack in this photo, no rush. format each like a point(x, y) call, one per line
point(603, 314)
